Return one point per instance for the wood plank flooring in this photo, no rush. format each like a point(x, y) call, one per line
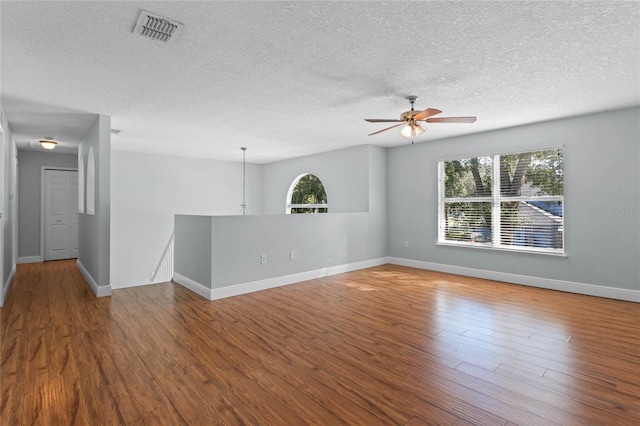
point(382, 346)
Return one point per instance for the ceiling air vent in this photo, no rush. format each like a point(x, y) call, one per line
point(156, 27)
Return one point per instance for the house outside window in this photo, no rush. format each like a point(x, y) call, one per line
point(505, 201)
point(307, 195)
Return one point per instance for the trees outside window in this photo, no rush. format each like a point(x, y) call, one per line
point(307, 195)
point(508, 201)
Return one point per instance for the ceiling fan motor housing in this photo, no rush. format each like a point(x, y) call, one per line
point(408, 115)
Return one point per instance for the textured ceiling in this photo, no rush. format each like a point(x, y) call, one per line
point(287, 79)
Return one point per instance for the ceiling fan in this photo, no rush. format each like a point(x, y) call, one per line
point(410, 120)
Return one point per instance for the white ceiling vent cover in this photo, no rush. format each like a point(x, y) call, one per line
point(156, 27)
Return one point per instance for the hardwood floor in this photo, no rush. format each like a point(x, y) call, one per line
point(386, 345)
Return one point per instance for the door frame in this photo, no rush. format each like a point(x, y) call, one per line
point(43, 170)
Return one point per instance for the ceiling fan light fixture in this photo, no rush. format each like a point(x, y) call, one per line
point(412, 130)
point(48, 143)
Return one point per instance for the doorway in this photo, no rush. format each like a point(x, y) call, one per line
point(59, 234)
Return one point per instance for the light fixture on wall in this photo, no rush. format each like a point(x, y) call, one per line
point(48, 143)
point(244, 180)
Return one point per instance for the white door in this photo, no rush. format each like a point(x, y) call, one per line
point(61, 215)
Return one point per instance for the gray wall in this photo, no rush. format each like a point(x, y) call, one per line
point(94, 230)
point(602, 181)
point(237, 242)
point(29, 172)
point(344, 174)
point(378, 197)
point(193, 248)
point(8, 168)
point(320, 241)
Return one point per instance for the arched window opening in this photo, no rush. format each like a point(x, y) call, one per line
point(307, 195)
point(80, 182)
point(91, 183)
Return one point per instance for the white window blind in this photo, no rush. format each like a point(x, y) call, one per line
point(505, 201)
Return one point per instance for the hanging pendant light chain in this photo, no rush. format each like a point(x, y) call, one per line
point(244, 180)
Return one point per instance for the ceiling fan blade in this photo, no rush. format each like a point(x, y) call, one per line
point(380, 131)
point(451, 120)
point(382, 120)
point(426, 113)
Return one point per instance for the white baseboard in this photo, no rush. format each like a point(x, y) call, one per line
point(551, 284)
point(129, 285)
point(7, 286)
point(194, 286)
point(249, 287)
point(99, 291)
point(30, 259)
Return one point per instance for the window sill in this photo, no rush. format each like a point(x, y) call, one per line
point(483, 246)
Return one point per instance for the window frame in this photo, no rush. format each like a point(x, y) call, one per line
point(293, 185)
point(496, 199)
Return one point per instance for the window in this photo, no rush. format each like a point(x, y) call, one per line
point(307, 195)
point(508, 201)
point(80, 182)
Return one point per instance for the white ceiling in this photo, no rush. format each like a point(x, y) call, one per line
point(287, 79)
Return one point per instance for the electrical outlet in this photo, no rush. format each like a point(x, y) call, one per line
point(263, 259)
point(406, 244)
point(292, 255)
